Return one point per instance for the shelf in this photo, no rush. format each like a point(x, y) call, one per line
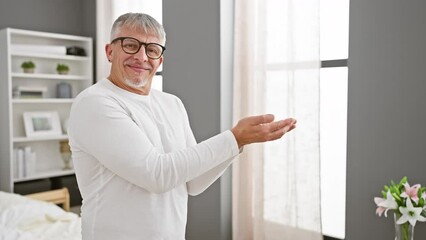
point(47, 50)
point(44, 100)
point(47, 35)
point(37, 139)
point(51, 56)
point(49, 76)
point(47, 174)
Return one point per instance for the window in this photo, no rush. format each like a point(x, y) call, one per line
point(334, 22)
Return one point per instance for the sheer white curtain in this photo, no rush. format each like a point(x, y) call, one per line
point(276, 185)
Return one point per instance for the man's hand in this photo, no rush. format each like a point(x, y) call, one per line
point(261, 128)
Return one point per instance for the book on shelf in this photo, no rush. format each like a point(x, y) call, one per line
point(24, 162)
point(27, 92)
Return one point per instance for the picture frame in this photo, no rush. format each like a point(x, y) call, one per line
point(42, 123)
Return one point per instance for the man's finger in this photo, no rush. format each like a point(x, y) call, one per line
point(277, 134)
point(278, 125)
point(260, 119)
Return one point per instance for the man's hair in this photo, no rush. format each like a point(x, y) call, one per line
point(139, 22)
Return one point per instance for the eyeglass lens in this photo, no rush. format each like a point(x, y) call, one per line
point(132, 46)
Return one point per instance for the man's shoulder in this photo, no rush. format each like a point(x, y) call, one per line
point(100, 87)
point(96, 91)
point(164, 96)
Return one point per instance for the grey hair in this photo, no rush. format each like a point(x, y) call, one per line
point(139, 22)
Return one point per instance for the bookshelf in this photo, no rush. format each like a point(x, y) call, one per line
point(46, 50)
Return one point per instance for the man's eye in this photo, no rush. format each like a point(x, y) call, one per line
point(130, 46)
point(153, 50)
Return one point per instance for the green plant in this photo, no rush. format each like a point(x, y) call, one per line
point(62, 67)
point(27, 64)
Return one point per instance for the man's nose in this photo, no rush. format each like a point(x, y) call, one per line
point(141, 54)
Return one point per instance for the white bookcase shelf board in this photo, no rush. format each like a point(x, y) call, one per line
point(45, 174)
point(31, 147)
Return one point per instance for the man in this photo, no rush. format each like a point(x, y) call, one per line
point(135, 156)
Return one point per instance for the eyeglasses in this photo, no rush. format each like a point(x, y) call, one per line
point(132, 46)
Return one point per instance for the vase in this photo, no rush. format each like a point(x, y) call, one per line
point(403, 231)
point(28, 70)
point(63, 72)
point(65, 154)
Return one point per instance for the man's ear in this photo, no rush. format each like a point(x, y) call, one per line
point(108, 52)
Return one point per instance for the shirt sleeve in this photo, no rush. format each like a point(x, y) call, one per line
point(101, 127)
point(202, 182)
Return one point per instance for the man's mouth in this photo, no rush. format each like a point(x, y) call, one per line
point(138, 68)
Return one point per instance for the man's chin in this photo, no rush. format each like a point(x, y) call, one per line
point(136, 83)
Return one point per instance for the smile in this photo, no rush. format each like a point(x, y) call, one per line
point(138, 68)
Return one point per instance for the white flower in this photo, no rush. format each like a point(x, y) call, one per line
point(389, 202)
point(411, 214)
point(384, 204)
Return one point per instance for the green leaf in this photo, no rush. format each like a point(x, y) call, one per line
point(395, 190)
point(403, 180)
point(421, 202)
point(396, 197)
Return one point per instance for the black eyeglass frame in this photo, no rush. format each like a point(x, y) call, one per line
point(140, 45)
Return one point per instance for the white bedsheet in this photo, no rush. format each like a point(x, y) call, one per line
point(22, 218)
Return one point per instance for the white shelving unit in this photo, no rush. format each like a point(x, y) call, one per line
point(12, 132)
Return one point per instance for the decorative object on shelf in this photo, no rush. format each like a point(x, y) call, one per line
point(408, 204)
point(65, 151)
point(77, 51)
point(38, 124)
point(28, 66)
point(65, 126)
point(63, 90)
point(62, 68)
point(27, 92)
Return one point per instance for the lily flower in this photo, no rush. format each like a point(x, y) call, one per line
point(410, 214)
point(411, 192)
point(380, 210)
point(384, 204)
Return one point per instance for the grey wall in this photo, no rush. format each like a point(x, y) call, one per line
point(75, 17)
point(192, 72)
point(387, 108)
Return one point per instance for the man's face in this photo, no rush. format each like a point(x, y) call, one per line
point(132, 72)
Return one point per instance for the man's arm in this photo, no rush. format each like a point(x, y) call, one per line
point(248, 130)
point(102, 128)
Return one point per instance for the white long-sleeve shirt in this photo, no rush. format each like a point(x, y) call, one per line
point(136, 160)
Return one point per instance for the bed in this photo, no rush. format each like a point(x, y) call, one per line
point(38, 216)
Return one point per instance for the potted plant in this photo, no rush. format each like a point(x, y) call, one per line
point(62, 68)
point(28, 66)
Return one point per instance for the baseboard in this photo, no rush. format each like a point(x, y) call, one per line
point(330, 238)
